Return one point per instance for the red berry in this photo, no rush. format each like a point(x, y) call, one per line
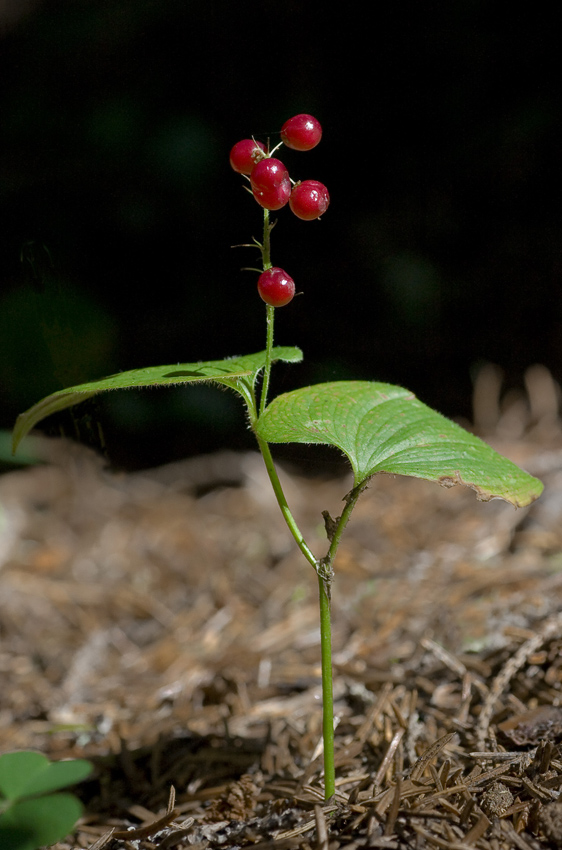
point(245, 154)
point(270, 183)
point(275, 287)
point(274, 199)
point(309, 200)
point(301, 132)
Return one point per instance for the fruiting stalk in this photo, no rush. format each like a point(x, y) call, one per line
point(270, 314)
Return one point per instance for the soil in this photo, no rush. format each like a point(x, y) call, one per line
point(162, 624)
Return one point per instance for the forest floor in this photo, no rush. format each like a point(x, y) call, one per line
point(162, 624)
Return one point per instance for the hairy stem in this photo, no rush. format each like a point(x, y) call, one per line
point(266, 244)
point(270, 319)
point(270, 312)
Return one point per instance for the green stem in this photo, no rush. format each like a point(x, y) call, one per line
point(270, 311)
point(266, 244)
point(325, 575)
point(282, 501)
point(341, 522)
point(327, 688)
point(322, 567)
point(270, 319)
point(324, 582)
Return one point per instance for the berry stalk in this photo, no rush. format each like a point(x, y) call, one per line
point(270, 311)
point(266, 244)
point(270, 320)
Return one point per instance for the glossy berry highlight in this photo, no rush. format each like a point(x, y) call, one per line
point(309, 200)
point(301, 132)
point(270, 183)
point(245, 154)
point(276, 287)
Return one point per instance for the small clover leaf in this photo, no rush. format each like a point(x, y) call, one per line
point(30, 816)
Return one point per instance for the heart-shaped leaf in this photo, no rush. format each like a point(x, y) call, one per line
point(27, 773)
point(238, 373)
point(17, 769)
point(384, 428)
point(30, 824)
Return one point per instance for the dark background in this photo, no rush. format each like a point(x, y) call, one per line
point(441, 250)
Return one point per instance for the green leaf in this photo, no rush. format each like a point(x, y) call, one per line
point(34, 450)
point(25, 774)
point(58, 775)
point(30, 824)
point(16, 769)
point(238, 373)
point(384, 428)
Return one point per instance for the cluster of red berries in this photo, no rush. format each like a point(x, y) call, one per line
point(269, 179)
point(273, 189)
